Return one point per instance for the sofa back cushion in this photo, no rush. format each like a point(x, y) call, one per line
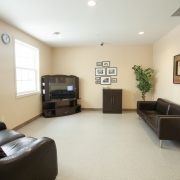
point(174, 109)
point(2, 153)
point(162, 106)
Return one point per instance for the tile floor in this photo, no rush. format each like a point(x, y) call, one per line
point(96, 146)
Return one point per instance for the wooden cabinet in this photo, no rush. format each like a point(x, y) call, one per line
point(112, 100)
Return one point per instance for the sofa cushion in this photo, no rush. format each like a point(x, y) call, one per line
point(2, 153)
point(152, 118)
point(8, 135)
point(174, 109)
point(16, 145)
point(145, 113)
point(162, 106)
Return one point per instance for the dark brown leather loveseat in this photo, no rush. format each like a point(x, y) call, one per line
point(26, 158)
point(162, 116)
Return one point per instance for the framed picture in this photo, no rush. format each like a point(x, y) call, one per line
point(106, 63)
point(105, 80)
point(112, 71)
point(114, 80)
point(98, 82)
point(97, 78)
point(99, 64)
point(176, 70)
point(100, 71)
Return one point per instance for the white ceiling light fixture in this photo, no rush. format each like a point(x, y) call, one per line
point(141, 32)
point(91, 3)
point(58, 34)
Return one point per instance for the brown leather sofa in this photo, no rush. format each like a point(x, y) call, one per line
point(26, 158)
point(162, 116)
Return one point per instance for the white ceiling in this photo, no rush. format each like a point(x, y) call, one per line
point(116, 22)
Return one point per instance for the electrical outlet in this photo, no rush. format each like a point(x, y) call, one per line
point(2, 118)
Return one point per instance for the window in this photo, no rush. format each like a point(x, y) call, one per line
point(26, 68)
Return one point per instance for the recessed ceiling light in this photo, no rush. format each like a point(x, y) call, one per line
point(141, 32)
point(58, 34)
point(91, 3)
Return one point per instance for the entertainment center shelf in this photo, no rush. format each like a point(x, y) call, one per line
point(52, 109)
point(60, 94)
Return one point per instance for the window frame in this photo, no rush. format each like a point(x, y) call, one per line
point(37, 74)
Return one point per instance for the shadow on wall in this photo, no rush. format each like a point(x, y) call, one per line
point(137, 96)
point(127, 100)
point(84, 93)
point(154, 82)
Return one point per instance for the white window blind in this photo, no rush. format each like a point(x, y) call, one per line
point(27, 68)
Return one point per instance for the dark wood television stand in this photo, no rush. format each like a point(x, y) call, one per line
point(60, 94)
point(58, 107)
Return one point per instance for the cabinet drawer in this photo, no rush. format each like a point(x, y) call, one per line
point(65, 111)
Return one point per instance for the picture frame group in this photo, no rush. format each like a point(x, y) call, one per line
point(112, 71)
point(105, 80)
point(104, 73)
point(103, 63)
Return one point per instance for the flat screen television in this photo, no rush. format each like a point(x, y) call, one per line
point(62, 94)
point(62, 87)
point(59, 87)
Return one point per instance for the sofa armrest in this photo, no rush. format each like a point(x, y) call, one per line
point(168, 127)
point(36, 161)
point(148, 105)
point(2, 125)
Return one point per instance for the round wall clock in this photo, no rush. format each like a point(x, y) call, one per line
point(5, 38)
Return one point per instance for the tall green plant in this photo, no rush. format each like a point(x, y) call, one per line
point(143, 76)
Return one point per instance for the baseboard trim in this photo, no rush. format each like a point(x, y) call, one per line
point(100, 109)
point(92, 109)
point(27, 122)
point(129, 109)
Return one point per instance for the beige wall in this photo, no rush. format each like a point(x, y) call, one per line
point(164, 51)
point(81, 61)
point(17, 111)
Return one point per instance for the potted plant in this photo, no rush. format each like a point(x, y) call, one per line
point(143, 76)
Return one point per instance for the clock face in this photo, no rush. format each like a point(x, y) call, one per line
point(5, 38)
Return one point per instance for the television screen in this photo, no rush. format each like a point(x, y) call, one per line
point(62, 88)
point(70, 88)
point(62, 94)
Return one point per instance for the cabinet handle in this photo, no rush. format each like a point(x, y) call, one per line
point(66, 112)
point(111, 100)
